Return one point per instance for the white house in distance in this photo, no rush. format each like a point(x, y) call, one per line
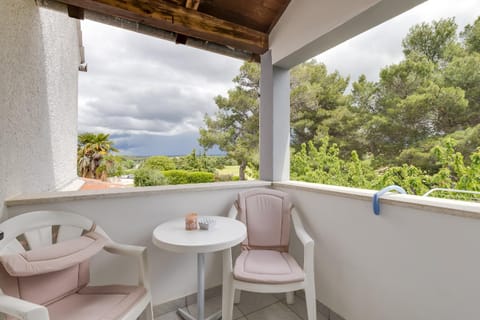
point(417, 260)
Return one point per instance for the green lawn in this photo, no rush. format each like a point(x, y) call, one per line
point(232, 170)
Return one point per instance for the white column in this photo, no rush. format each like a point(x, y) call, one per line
point(274, 121)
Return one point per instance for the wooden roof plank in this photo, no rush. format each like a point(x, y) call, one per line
point(167, 16)
point(189, 4)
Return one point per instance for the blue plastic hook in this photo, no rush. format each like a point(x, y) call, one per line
point(377, 195)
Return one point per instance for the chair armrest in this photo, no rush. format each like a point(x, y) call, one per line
point(133, 251)
point(302, 235)
point(124, 249)
point(233, 212)
point(22, 309)
point(307, 242)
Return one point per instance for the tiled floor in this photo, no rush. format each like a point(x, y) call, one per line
point(255, 306)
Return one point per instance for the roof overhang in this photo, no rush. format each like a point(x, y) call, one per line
point(325, 24)
point(294, 30)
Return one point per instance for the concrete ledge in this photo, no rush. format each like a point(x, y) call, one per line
point(52, 197)
point(434, 205)
point(429, 204)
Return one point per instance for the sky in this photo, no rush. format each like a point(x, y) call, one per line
point(151, 95)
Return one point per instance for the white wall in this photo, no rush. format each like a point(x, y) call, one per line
point(410, 262)
point(129, 216)
point(39, 58)
point(416, 261)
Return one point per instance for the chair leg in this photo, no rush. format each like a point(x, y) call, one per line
point(147, 314)
point(290, 296)
point(311, 301)
point(237, 296)
point(227, 303)
point(228, 291)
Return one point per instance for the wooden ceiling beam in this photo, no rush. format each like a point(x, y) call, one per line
point(189, 4)
point(192, 4)
point(167, 16)
point(75, 12)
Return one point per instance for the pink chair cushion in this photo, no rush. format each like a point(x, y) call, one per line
point(53, 258)
point(50, 287)
point(97, 303)
point(266, 214)
point(267, 266)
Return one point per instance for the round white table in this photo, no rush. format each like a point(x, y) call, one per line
point(225, 234)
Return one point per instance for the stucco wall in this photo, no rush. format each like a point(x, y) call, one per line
point(417, 260)
point(39, 59)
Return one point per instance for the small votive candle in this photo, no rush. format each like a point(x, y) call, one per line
point(191, 221)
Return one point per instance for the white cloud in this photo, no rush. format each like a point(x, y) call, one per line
point(380, 46)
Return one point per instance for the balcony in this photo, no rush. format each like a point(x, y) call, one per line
point(417, 260)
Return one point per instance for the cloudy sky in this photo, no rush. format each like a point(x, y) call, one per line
point(151, 95)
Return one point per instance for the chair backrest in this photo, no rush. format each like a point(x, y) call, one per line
point(44, 255)
point(266, 214)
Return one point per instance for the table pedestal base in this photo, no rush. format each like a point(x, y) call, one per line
point(200, 294)
point(185, 315)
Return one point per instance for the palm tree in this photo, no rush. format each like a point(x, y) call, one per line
point(92, 149)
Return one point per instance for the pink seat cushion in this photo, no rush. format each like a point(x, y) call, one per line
point(267, 266)
point(96, 303)
point(266, 214)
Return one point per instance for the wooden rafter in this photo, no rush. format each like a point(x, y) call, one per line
point(75, 12)
point(167, 16)
point(192, 4)
point(189, 4)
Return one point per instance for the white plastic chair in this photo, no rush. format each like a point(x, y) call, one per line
point(58, 248)
point(265, 265)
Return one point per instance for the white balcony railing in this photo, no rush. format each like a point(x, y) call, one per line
point(419, 259)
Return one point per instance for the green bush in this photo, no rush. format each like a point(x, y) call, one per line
point(159, 163)
point(148, 177)
point(176, 176)
point(201, 177)
point(226, 177)
point(186, 177)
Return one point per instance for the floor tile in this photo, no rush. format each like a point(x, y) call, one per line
point(253, 306)
point(251, 302)
point(169, 316)
point(277, 311)
point(335, 316)
point(213, 305)
point(300, 309)
point(168, 307)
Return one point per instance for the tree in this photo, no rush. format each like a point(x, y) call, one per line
point(471, 35)
point(314, 99)
point(91, 151)
point(431, 40)
point(159, 163)
point(412, 102)
point(146, 177)
point(234, 127)
point(395, 120)
point(464, 73)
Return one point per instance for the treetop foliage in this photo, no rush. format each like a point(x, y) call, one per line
point(93, 160)
point(392, 130)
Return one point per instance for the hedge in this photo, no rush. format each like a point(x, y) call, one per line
point(148, 177)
